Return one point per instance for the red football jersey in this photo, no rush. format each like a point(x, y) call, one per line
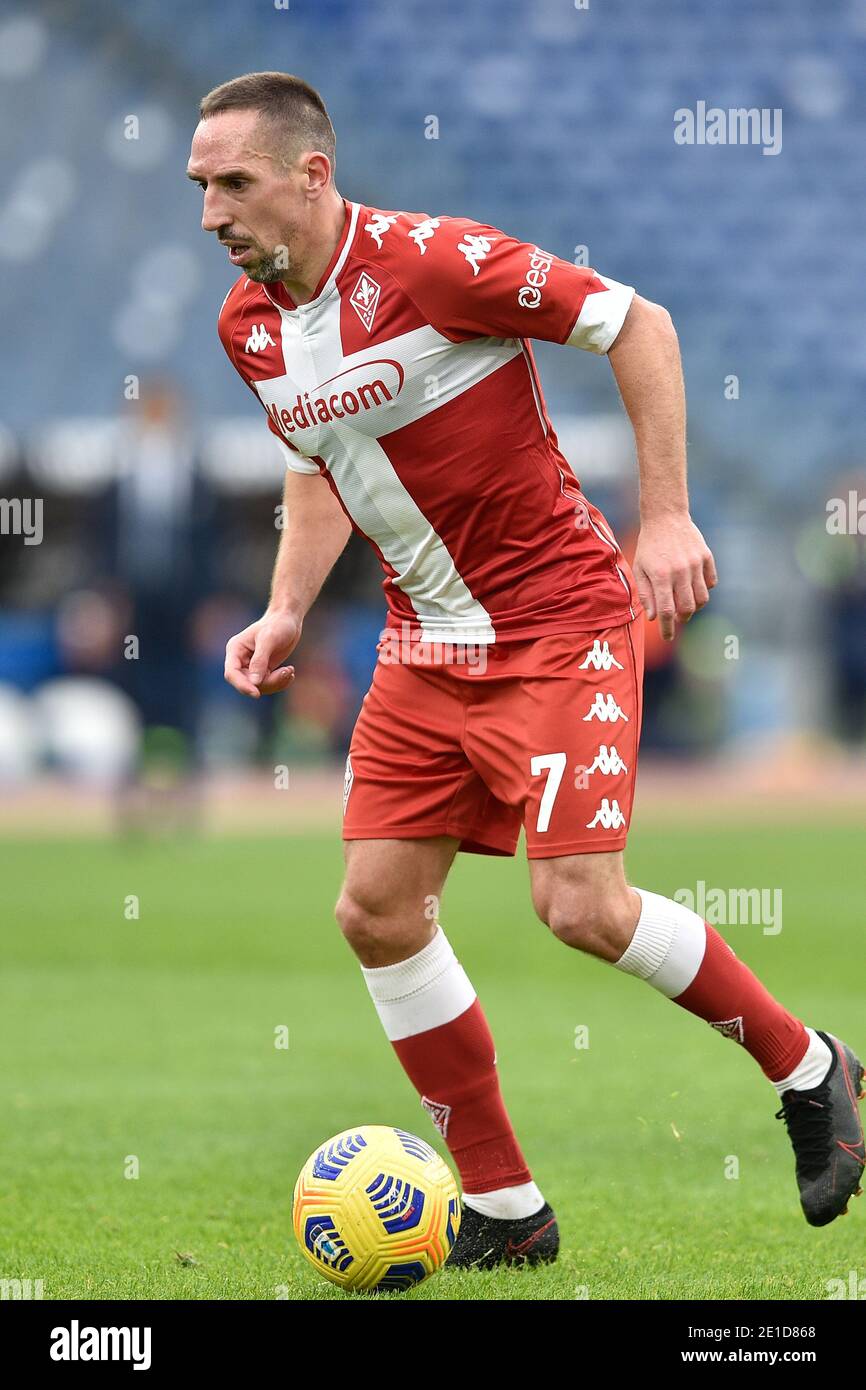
point(409, 383)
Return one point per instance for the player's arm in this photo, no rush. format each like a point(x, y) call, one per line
point(315, 533)
point(673, 566)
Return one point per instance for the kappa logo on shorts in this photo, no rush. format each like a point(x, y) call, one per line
point(607, 761)
point(609, 816)
point(348, 779)
point(605, 708)
point(600, 657)
point(439, 1113)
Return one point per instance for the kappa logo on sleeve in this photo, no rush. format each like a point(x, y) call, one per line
point(423, 232)
point(475, 248)
point(379, 225)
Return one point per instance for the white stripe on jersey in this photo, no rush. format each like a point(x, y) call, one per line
point(435, 371)
point(406, 539)
point(385, 511)
point(369, 486)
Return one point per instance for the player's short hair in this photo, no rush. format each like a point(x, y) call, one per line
point(291, 106)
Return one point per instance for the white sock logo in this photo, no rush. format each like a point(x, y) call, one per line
point(439, 1113)
point(731, 1028)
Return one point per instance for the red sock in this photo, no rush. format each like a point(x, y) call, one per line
point(453, 1068)
point(728, 996)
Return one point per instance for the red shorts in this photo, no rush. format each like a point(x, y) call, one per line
point(545, 736)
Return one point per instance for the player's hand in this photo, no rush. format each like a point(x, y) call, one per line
point(254, 657)
point(674, 570)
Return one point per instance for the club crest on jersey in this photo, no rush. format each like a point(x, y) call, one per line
point(439, 1113)
point(600, 657)
point(259, 339)
point(475, 248)
point(364, 299)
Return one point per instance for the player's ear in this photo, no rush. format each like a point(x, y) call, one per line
point(317, 169)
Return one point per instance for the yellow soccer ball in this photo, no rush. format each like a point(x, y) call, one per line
point(376, 1208)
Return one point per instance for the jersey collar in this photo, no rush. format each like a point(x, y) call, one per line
point(276, 290)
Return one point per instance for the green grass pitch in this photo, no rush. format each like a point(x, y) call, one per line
point(155, 1038)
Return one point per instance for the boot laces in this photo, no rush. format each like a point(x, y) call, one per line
point(809, 1127)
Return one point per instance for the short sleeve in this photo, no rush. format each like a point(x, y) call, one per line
point(292, 459)
point(472, 280)
point(230, 317)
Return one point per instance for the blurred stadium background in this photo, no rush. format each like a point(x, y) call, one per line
point(158, 478)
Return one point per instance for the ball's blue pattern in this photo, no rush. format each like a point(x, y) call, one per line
point(398, 1204)
point(331, 1161)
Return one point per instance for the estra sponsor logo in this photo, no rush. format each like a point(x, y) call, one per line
point(529, 294)
point(368, 386)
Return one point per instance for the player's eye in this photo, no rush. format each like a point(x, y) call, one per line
point(237, 184)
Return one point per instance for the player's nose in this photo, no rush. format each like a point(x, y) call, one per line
point(213, 216)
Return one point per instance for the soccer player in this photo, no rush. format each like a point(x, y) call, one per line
point(391, 352)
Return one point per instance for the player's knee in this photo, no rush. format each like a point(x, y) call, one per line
point(587, 920)
point(378, 933)
point(361, 921)
point(576, 919)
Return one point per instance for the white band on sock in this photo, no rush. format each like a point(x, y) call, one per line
point(811, 1070)
point(668, 944)
point(507, 1203)
point(420, 993)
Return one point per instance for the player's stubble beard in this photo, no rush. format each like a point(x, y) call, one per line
point(280, 263)
point(268, 268)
